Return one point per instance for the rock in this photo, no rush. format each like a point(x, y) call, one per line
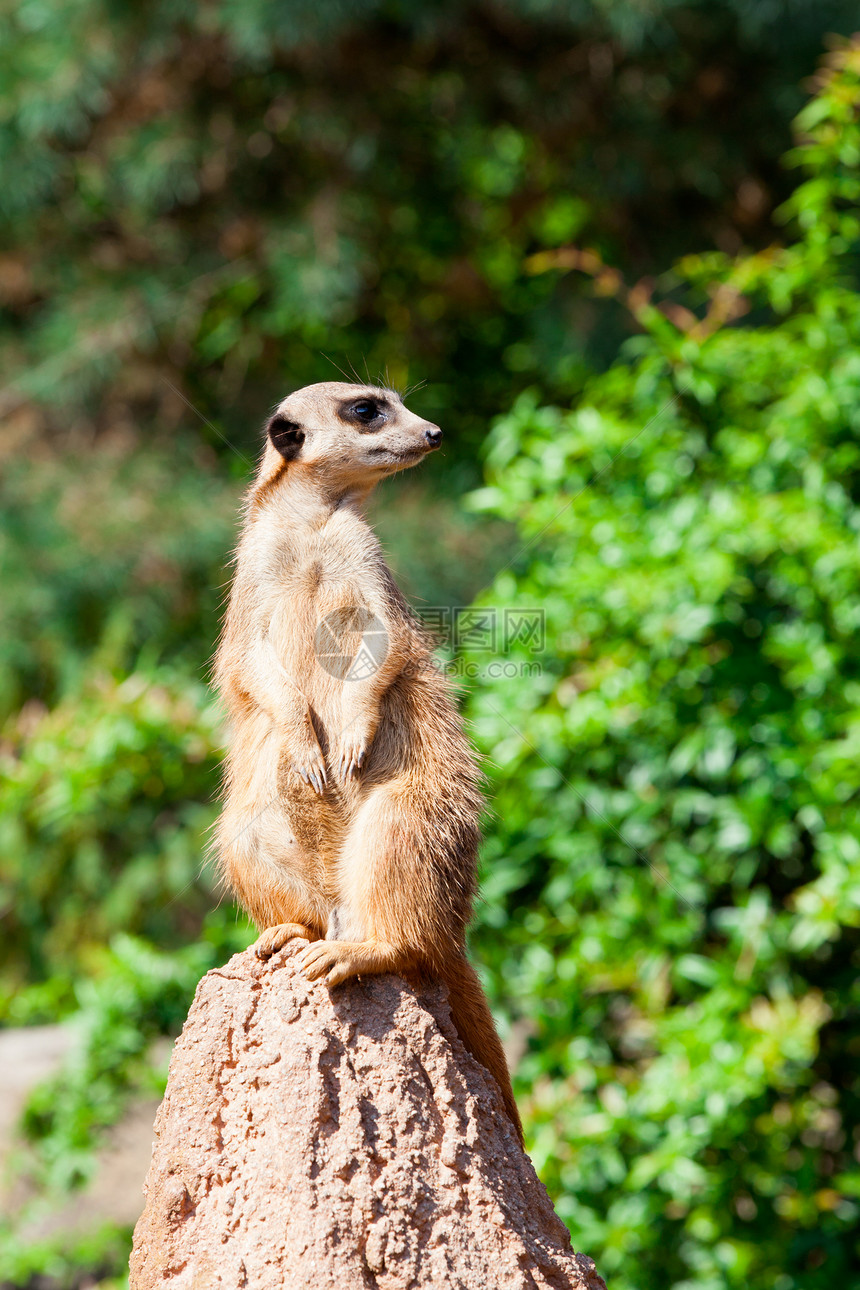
point(338, 1139)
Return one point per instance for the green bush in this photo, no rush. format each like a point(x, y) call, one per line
point(672, 880)
point(106, 556)
point(95, 1260)
point(220, 196)
point(106, 802)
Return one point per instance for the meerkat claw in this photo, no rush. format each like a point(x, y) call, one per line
point(276, 937)
point(318, 963)
point(340, 972)
point(329, 959)
point(351, 761)
point(314, 776)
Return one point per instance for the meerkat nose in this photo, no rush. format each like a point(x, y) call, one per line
point(433, 435)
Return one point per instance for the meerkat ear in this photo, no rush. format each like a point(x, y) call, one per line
point(286, 436)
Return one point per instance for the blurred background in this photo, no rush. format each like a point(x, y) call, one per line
point(619, 244)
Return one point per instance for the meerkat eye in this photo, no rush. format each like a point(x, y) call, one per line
point(368, 414)
point(366, 410)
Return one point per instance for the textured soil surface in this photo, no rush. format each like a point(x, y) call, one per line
point(338, 1139)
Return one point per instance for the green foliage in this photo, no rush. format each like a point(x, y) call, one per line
point(214, 195)
point(102, 825)
point(103, 560)
point(672, 879)
point(67, 1263)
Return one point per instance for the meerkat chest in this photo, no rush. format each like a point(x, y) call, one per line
point(319, 573)
point(306, 577)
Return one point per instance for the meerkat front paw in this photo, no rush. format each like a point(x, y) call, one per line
point(275, 938)
point(354, 747)
point(310, 766)
point(335, 960)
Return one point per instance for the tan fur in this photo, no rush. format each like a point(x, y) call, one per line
point(351, 806)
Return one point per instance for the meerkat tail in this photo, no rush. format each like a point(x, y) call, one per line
point(474, 1023)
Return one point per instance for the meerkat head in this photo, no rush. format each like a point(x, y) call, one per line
point(346, 435)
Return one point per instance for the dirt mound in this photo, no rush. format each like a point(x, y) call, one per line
point(338, 1139)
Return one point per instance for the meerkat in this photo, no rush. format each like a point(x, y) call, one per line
point(352, 797)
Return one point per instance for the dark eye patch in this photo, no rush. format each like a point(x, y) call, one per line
point(366, 414)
